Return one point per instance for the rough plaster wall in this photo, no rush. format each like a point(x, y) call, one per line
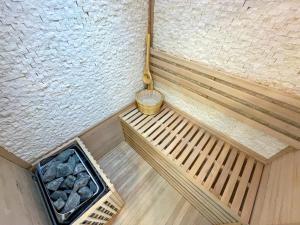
point(254, 39)
point(254, 139)
point(64, 66)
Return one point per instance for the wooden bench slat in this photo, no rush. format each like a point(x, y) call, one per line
point(205, 170)
point(156, 125)
point(196, 151)
point(130, 114)
point(162, 127)
point(178, 138)
point(250, 198)
point(225, 172)
point(190, 147)
point(233, 178)
point(183, 142)
point(240, 192)
point(216, 167)
point(134, 117)
point(134, 123)
point(153, 120)
point(203, 156)
point(173, 134)
point(167, 130)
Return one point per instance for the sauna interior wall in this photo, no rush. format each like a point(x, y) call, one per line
point(63, 68)
point(254, 40)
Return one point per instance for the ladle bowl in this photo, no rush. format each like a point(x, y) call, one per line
point(149, 101)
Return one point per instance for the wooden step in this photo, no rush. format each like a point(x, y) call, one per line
point(218, 178)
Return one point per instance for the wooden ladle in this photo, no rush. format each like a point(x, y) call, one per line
point(147, 77)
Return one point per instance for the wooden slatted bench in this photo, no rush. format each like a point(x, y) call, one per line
point(272, 111)
point(217, 175)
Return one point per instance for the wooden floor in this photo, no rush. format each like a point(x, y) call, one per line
point(149, 199)
point(20, 201)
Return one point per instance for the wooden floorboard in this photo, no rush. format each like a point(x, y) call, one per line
point(149, 199)
point(20, 202)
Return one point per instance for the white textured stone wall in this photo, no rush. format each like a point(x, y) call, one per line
point(64, 66)
point(254, 39)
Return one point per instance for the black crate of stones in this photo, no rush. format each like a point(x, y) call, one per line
point(69, 184)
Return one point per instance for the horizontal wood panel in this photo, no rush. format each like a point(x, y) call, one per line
point(278, 116)
point(211, 164)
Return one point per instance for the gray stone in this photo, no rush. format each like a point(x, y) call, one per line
point(48, 164)
point(78, 168)
point(50, 174)
point(63, 170)
point(63, 156)
point(68, 191)
point(72, 161)
point(77, 159)
point(81, 182)
point(54, 185)
point(83, 174)
point(72, 202)
point(92, 186)
point(59, 204)
point(85, 193)
point(59, 194)
point(68, 182)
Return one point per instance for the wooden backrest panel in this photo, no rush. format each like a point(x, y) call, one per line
point(270, 110)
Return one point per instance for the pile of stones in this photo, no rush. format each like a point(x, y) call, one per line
point(67, 181)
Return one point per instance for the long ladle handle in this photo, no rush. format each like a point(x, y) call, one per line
point(147, 65)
